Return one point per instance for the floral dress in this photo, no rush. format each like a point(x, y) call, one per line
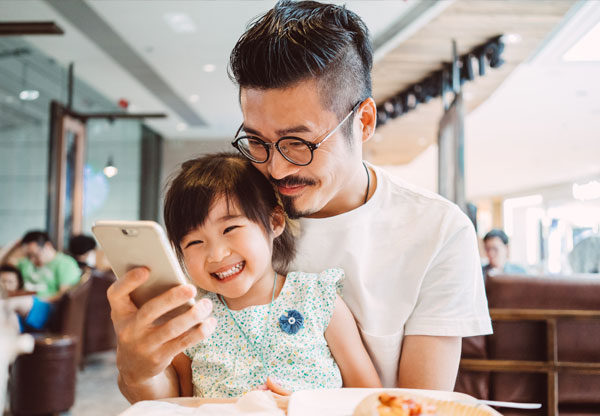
point(291, 344)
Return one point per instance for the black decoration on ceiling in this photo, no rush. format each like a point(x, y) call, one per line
point(434, 85)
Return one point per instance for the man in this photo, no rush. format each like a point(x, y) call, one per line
point(45, 270)
point(413, 273)
point(496, 249)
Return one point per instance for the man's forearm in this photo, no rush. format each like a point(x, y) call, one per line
point(161, 386)
point(429, 362)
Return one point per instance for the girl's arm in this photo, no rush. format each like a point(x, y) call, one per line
point(348, 350)
point(183, 367)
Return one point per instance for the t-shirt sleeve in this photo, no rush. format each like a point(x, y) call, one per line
point(69, 272)
point(452, 299)
point(328, 286)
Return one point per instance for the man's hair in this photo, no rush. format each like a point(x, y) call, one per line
point(201, 181)
point(36, 236)
point(81, 244)
point(497, 233)
point(297, 41)
point(7, 268)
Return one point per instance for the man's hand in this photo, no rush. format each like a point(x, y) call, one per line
point(145, 350)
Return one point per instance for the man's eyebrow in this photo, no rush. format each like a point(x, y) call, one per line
point(280, 133)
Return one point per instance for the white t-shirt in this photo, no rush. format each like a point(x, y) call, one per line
point(412, 268)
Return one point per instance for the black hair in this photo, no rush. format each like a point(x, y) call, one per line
point(7, 268)
point(300, 40)
point(201, 181)
point(497, 233)
point(36, 236)
point(81, 244)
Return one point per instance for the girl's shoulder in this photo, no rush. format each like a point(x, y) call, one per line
point(329, 279)
point(332, 275)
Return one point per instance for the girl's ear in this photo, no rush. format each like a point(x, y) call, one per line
point(277, 221)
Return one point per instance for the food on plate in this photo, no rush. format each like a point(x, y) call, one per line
point(400, 404)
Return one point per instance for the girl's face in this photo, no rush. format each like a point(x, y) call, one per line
point(230, 254)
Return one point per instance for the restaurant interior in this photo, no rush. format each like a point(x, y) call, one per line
point(494, 104)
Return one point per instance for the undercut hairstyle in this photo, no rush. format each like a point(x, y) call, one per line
point(7, 268)
point(301, 40)
point(36, 236)
point(200, 182)
point(497, 233)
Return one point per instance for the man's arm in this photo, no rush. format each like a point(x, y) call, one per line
point(429, 362)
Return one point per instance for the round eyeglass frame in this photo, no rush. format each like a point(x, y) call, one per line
point(310, 145)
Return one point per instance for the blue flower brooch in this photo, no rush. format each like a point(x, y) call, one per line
point(291, 321)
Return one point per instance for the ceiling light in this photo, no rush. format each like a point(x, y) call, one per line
point(181, 126)
point(194, 98)
point(110, 169)
point(511, 38)
point(29, 95)
point(180, 22)
point(586, 49)
point(586, 191)
point(209, 67)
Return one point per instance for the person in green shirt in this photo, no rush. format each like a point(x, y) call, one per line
point(45, 270)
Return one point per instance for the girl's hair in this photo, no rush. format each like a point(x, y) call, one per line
point(201, 181)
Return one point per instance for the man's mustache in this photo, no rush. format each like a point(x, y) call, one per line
point(290, 181)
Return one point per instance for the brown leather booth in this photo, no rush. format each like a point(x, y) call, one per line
point(545, 347)
point(99, 334)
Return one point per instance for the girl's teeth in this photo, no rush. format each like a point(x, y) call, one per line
point(231, 271)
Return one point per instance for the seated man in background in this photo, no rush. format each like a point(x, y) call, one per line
point(496, 250)
point(46, 271)
point(32, 313)
point(83, 249)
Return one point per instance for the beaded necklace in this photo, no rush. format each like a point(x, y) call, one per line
point(257, 352)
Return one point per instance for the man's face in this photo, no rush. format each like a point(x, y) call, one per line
point(323, 187)
point(496, 252)
point(38, 255)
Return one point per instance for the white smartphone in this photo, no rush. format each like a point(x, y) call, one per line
point(130, 244)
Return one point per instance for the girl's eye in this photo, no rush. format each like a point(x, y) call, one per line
point(230, 228)
point(192, 243)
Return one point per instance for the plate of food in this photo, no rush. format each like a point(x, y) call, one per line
point(388, 402)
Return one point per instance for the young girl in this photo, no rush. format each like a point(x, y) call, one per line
point(229, 230)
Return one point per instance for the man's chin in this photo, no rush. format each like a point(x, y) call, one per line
point(290, 205)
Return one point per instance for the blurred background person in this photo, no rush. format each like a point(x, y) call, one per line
point(31, 313)
point(585, 256)
point(83, 249)
point(496, 249)
point(45, 270)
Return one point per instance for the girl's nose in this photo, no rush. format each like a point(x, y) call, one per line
point(217, 252)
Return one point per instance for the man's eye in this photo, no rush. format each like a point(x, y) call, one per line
point(230, 228)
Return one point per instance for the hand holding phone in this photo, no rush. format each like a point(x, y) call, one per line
point(131, 244)
point(148, 340)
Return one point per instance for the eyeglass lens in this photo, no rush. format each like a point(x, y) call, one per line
point(294, 150)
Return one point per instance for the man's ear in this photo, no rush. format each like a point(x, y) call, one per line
point(367, 118)
point(277, 221)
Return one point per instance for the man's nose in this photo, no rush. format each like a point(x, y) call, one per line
point(279, 167)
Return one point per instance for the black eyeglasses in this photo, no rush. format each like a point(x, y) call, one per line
point(294, 149)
